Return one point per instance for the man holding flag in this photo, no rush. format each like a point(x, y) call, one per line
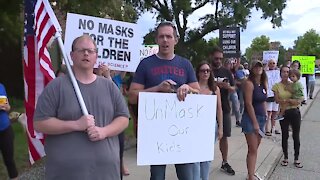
point(78, 145)
point(82, 146)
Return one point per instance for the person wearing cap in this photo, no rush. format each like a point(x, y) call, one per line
point(254, 116)
point(273, 75)
point(233, 96)
point(226, 84)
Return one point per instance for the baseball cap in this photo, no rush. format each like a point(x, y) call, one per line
point(256, 63)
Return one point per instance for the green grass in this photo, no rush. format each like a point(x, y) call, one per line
point(20, 151)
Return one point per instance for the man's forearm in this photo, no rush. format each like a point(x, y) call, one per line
point(55, 126)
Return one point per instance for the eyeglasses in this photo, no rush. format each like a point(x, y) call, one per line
point(205, 70)
point(89, 50)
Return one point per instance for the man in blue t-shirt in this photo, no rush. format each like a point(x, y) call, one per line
point(165, 72)
point(225, 81)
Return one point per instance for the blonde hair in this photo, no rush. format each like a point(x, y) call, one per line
point(85, 36)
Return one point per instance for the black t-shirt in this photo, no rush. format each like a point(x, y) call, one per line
point(227, 75)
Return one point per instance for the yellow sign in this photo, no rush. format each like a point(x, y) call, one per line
point(307, 63)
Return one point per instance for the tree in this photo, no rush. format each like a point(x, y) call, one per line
point(308, 44)
point(115, 9)
point(224, 13)
point(258, 45)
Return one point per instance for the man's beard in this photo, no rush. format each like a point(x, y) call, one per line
point(216, 65)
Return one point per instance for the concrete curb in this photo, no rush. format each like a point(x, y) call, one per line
point(280, 155)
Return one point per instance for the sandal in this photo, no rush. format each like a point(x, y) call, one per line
point(277, 132)
point(268, 134)
point(298, 164)
point(284, 162)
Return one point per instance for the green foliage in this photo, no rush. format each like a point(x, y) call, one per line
point(11, 23)
point(259, 44)
point(115, 9)
point(308, 44)
point(224, 13)
point(16, 104)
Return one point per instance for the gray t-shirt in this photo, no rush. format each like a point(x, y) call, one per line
point(73, 155)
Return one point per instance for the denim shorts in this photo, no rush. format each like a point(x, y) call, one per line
point(247, 126)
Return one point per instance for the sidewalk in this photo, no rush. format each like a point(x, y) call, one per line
point(269, 155)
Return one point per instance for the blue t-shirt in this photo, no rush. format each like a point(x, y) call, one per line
point(153, 70)
point(240, 74)
point(4, 117)
point(117, 80)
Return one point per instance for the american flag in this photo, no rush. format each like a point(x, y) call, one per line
point(39, 26)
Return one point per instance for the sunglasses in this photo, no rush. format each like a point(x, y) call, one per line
point(205, 70)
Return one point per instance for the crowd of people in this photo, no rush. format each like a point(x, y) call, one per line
point(92, 145)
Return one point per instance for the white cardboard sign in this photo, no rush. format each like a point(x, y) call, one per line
point(117, 42)
point(273, 78)
point(148, 50)
point(268, 55)
point(175, 132)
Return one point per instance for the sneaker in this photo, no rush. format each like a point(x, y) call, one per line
point(227, 168)
point(238, 124)
point(279, 118)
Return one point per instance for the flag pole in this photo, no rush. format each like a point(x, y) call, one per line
point(73, 79)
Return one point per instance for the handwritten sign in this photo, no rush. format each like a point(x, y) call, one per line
point(174, 132)
point(273, 78)
point(268, 55)
point(307, 63)
point(148, 50)
point(116, 41)
point(303, 81)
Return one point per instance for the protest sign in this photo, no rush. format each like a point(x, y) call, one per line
point(307, 63)
point(116, 41)
point(148, 50)
point(273, 78)
point(174, 132)
point(268, 55)
point(229, 38)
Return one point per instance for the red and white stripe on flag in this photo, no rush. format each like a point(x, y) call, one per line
point(40, 26)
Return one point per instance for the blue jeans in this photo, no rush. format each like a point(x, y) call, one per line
point(184, 171)
point(201, 170)
point(247, 125)
point(235, 105)
point(241, 100)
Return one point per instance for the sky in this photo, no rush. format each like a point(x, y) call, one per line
point(298, 17)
